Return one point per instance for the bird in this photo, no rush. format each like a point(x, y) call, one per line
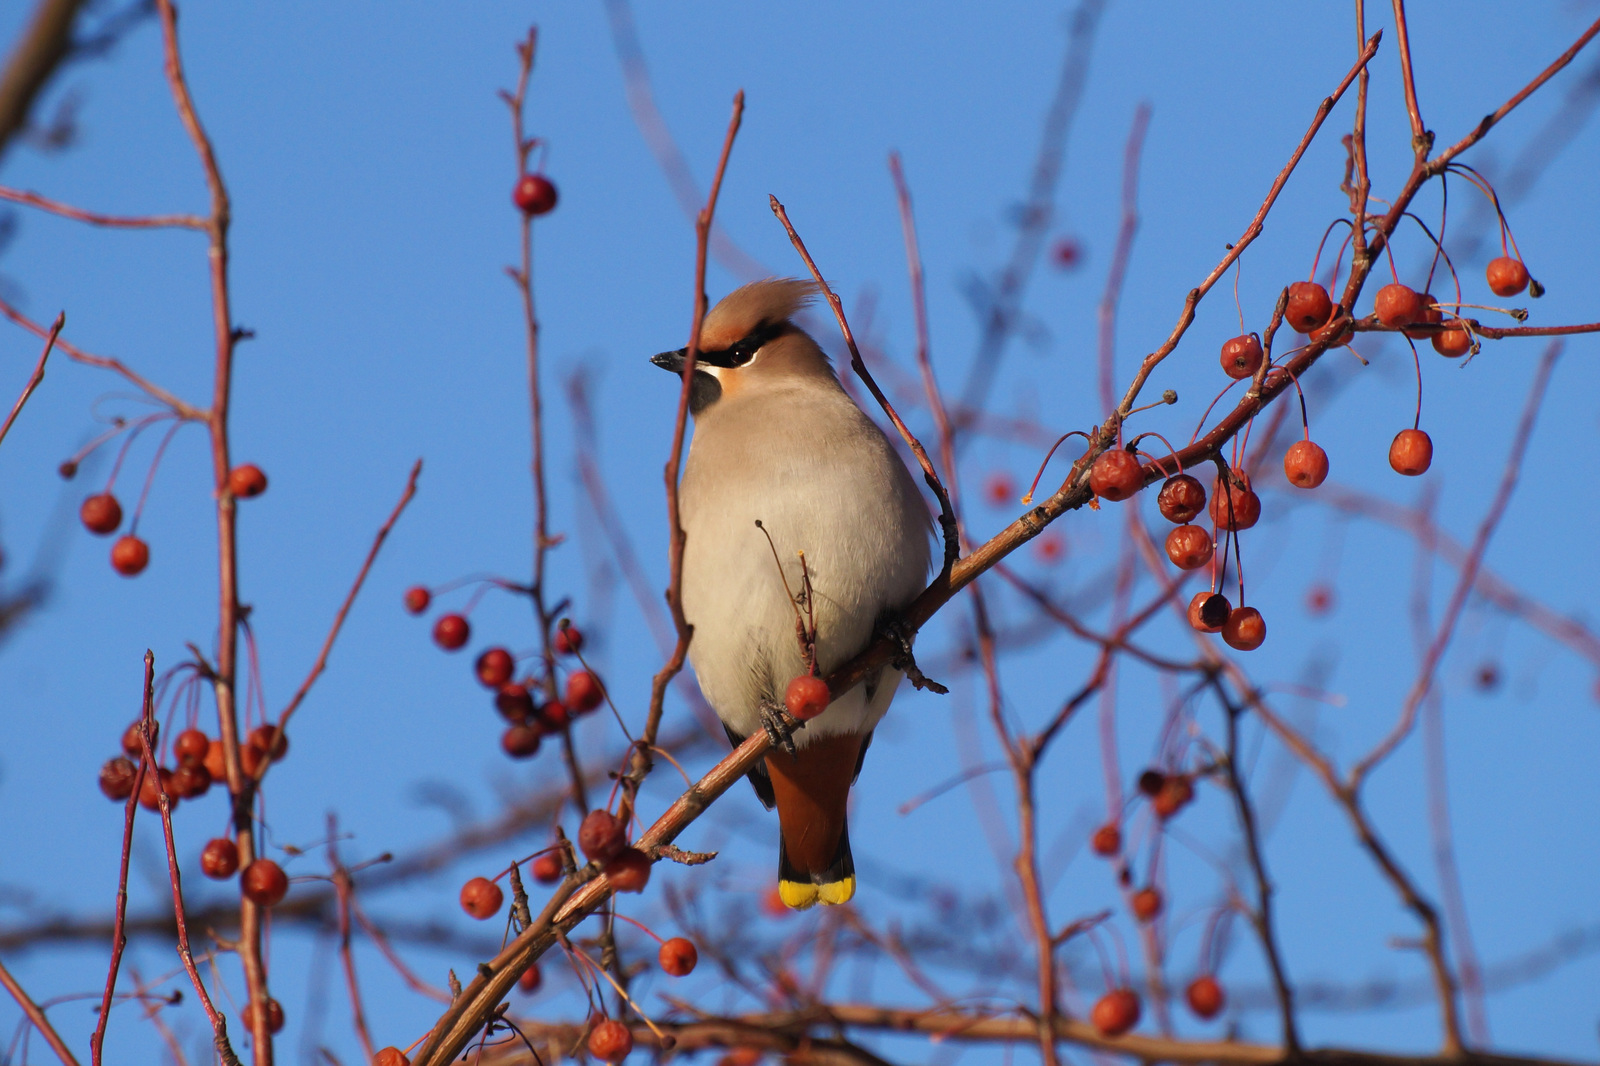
point(780, 450)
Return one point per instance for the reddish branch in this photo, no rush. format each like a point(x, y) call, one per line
point(36, 377)
point(37, 1017)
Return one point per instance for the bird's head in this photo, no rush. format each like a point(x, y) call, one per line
point(749, 341)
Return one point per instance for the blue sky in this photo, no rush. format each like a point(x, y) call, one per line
point(370, 165)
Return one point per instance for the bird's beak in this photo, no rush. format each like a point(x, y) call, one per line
point(672, 361)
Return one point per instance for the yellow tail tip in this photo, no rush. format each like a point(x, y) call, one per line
point(800, 895)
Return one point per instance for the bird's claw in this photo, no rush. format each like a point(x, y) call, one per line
point(904, 660)
point(780, 726)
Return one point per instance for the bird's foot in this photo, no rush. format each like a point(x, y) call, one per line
point(780, 726)
point(904, 660)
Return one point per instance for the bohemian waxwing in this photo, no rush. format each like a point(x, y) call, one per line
point(776, 439)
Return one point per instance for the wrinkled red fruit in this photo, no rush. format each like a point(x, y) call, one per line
point(1397, 305)
point(270, 741)
point(629, 870)
point(534, 194)
point(1309, 307)
point(601, 835)
point(264, 883)
point(1245, 629)
point(246, 481)
point(522, 741)
point(1241, 356)
point(133, 746)
point(1430, 315)
point(1246, 505)
point(1173, 795)
point(274, 1016)
point(1115, 475)
point(1107, 840)
point(1181, 499)
point(1411, 453)
point(547, 868)
point(568, 640)
point(494, 667)
point(1189, 547)
point(150, 791)
point(584, 693)
point(1305, 464)
point(390, 1056)
point(117, 777)
point(1205, 996)
point(451, 632)
point(1209, 611)
point(190, 781)
point(678, 957)
point(1146, 904)
point(1506, 276)
point(610, 1041)
point(514, 702)
point(129, 556)
point(191, 747)
point(530, 980)
point(481, 898)
point(417, 599)
point(1452, 342)
point(1116, 1012)
point(101, 514)
point(219, 859)
point(806, 697)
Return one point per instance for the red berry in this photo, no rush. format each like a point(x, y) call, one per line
point(117, 777)
point(1146, 904)
point(390, 1056)
point(1246, 505)
point(274, 1016)
point(806, 697)
point(1000, 490)
point(1430, 314)
point(611, 1041)
point(1397, 305)
point(678, 957)
point(417, 599)
point(1151, 782)
point(494, 667)
point(216, 764)
point(601, 834)
point(1305, 464)
point(530, 980)
point(1209, 611)
point(1453, 341)
point(1241, 357)
point(1205, 996)
point(1189, 547)
point(1411, 453)
point(514, 702)
point(547, 868)
point(191, 747)
point(101, 514)
point(1107, 840)
point(554, 716)
point(534, 194)
point(1181, 499)
point(1506, 276)
point(129, 556)
point(741, 1056)
point(451, 632)
point(1308, 308)
point(629, 871)
point(191, 781)
point(150, 791)
point(521, 741)
point(133, 746)
point(1174, 794)
point(568, 640)
point(1116, 1012)
point(247, 481)
point(584, 693)
point(219, 859)
point(1245, 629)
point(1115, 475)
point(264, 883)
point(269, 740)
point(481, 898)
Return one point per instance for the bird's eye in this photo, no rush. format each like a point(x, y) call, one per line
point(743, 352)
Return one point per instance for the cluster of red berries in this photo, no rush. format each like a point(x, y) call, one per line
point(200, 762)
point(101, 515)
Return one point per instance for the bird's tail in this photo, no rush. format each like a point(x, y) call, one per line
point(837, 884)
point(812, 790)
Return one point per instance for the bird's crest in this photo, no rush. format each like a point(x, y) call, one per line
point(748, 307)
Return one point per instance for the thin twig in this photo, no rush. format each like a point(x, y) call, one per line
point(36, 377)
point(37, 1017)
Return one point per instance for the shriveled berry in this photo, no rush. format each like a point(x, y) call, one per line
point(117, 777)
point(1453, 341)
point(1245, 629)
point(247, 480)
point(1181, 499)
point(547, 868)
point(1115, 475)
point(534, 194)
point(219, 859)
point(191, 747)
point(1146, 904)
point(1246, 505)
point(1107, 840)
point(806, 697)
point(451, 632)
point(274, 1016)
point(417, 599)
point(1241, 356)
point(1116, 1012)
point(514, 702)
point(1174, 794)
point(1189, 547)
point(264, 883)
point(129, 556)
point(584, 692)
point(191, 781)
point(530, 980)
point(481, 898)
point(610, 1041)
point(390, 1056)
point(628, 870)
point(1305, 464)
point(678, 956)
point(521, 741)
point(1397, 305)
point(1205, 996)
point(494, 667)
point(101, 514)
point(1506, 276)
point(568, 640)
point(601, 834)
point(1208, 611)
point(1308, 308)
point(1411, 452)
point(133, 746)
point(1429, 315)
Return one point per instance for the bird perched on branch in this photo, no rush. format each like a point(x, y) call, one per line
point(780, 450)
